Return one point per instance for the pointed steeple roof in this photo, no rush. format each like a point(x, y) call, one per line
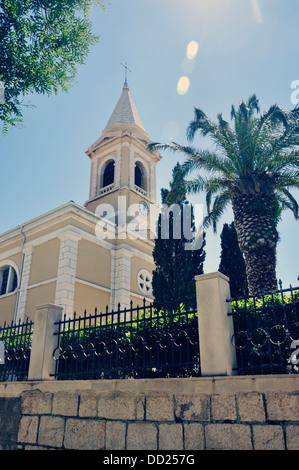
point(125, 111)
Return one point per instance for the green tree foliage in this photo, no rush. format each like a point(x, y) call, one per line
point(42, 43)
point(232, 262)
point(173, 278)
point(253, 166)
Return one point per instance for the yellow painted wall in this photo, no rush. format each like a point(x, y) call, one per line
point(45, 261)
point(88, 298)
point(93, 263)
point(38, 296)
point(7, 308)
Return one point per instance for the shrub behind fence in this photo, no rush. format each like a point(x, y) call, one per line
point(147, 341)
point(209, 335)
point(17, 340)
point(266, 332)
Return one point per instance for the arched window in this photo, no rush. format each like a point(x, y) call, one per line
point(140, 180)
point(108, 176)
point(8, 280)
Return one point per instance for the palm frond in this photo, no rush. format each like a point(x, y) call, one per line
point(220, 204)
point(288, 202)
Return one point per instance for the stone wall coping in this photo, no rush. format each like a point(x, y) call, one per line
point(208, 385)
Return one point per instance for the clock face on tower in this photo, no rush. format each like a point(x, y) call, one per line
point(143, 207)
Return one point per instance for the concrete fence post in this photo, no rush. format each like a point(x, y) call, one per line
point(217, 354)
point(44, 342)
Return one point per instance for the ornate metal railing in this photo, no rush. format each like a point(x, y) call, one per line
point(147, 341)
point(16, 340)
point(266, 332)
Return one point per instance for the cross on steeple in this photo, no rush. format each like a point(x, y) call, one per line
point(126, 69)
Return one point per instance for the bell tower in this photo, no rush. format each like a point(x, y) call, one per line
point(121, 164)
point(123, 176)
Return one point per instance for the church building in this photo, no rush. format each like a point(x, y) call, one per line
point(96, 255)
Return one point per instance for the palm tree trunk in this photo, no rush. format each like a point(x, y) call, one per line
point(256, 221)
point(260, 270)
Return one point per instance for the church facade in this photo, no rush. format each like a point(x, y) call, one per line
point(96, 255)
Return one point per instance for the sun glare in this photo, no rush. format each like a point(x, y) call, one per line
point(192, 50)
point(183, 85)
point(257, 11)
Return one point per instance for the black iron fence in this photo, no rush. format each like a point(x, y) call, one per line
point(15, 343)
point(153, 341)
point(266, 333)
point(140, 342)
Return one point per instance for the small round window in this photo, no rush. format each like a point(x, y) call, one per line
point(144, 280)
point(8, 280)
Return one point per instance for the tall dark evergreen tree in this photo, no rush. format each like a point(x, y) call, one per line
point(176, 266)
point(232, 262)
point(253, 167)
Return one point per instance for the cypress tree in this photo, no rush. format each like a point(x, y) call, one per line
point(173, 278)
point(232, 262)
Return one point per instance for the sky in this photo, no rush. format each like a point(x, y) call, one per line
point(240, 47)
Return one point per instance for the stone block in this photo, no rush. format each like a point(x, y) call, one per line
point(10, 405)
point(224, 407)
point(28, 429)
point(268, 437)
point(159, 407)
point(65, 404)
point(119, 405)
point(9, 427)
point(171, 436)
point(251, 407)
point(192, 407)
point(194, 436)
point(142, 436)
point(220, 436)
point(292, 437)
point(84, 434)
point(51, 431)
point(36, 403)
point(282, 406)
point(88, 406)
point(115, 435)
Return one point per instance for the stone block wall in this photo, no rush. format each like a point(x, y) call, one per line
point(10, 415)
point(150, 418)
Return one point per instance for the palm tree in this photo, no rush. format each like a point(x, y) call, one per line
point(254, 167)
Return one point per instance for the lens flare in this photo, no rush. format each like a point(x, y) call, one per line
point(183, 85)
point(192, 50)
point(257, 11)
point(187, 65)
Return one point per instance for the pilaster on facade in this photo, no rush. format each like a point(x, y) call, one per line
point(66, 273)
point(118, 169)
point(94, 178)
point(131, 169)
point(152, 188)
point(120, 278)
point(20, 312)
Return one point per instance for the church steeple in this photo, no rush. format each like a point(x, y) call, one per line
point(125, 111)
point(121, 164)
